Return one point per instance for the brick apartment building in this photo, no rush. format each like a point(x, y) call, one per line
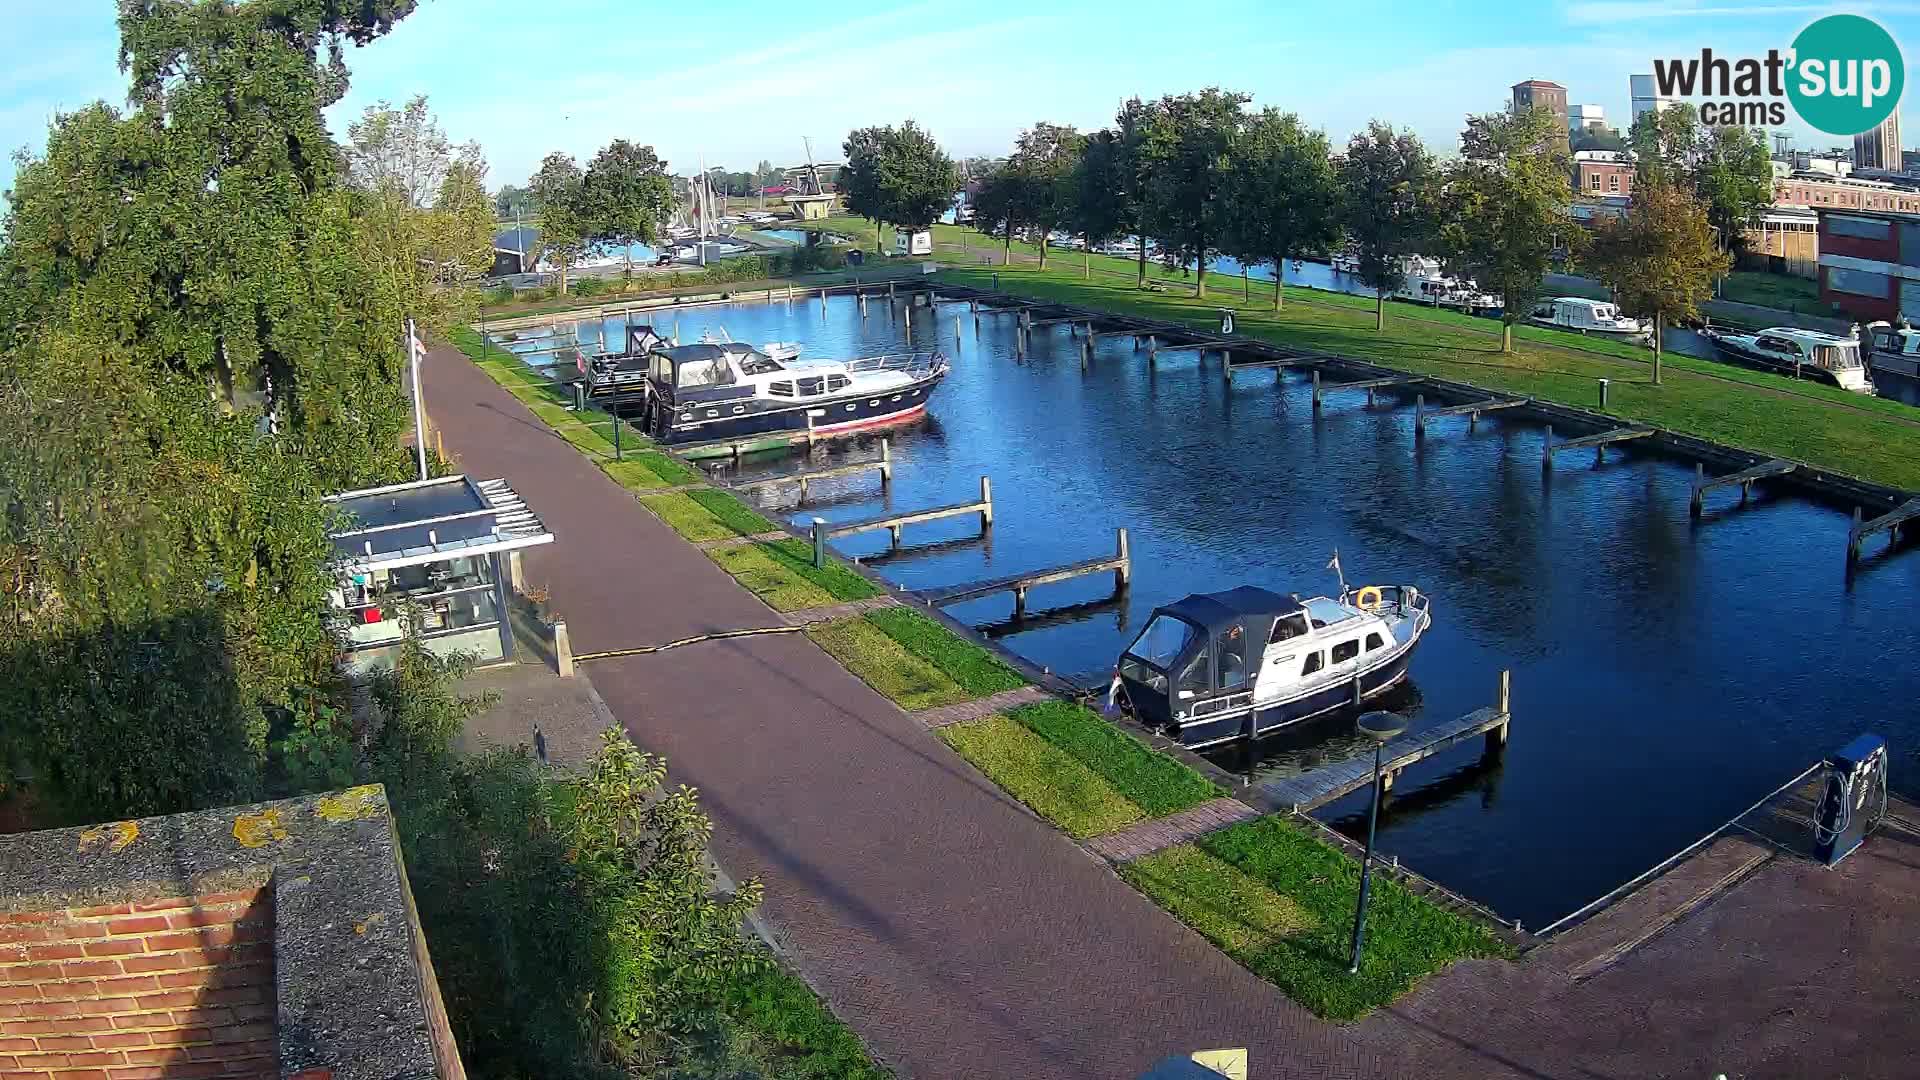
point(1870, 263)
point(1602, 172)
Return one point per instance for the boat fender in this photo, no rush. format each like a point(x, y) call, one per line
point(1369, 598)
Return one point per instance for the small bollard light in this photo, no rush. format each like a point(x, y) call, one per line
point(820, 543)
point(1603, 392)
point(1380, 727)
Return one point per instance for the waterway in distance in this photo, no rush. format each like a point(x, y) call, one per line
point(1666, 673)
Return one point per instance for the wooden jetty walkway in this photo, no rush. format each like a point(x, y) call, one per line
point(1471, 410)
point(1369, 385)
point(1120, 562)
point(1890, 523)
point(1318, 787)
point(893, 523)
point(1745, 478)
point(884, 466)
point(1597, 441)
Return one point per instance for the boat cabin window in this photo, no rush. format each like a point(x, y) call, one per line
point(1345, 651)
point(1230, 658)
point(1164, 639)
point(811, 387)
point(838, 382)
point(783, 388)
point(759, 364)
point(1315, 661)
point(696, 373)
point(1193, 680)
point(1374, 641)
point(1771, 343)
point(1836, 357)
point(1287, 627)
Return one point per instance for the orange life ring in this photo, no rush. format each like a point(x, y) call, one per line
point(1369, 598)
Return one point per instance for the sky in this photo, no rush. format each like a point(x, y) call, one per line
point(733, 84)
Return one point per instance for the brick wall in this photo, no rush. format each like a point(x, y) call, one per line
point(171, 988)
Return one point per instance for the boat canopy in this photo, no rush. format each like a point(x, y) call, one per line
point(691, 367)
point(1214, 612)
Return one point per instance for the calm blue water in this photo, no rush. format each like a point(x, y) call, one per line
point(1666, 674)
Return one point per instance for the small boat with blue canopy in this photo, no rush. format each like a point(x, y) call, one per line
point(1215, 667)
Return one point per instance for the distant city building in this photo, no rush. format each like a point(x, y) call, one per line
point(1910, 162)
point(1602, 172)
point(1817, 190)
point(1879, 147)
point(1784, 240)
point(1547, 95)
point(1646, 96)
point(1591, 117)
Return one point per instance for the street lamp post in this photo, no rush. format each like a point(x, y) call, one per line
point(1380, 727)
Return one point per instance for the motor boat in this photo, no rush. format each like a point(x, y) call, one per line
point(779, 350)
point(1803, 354)
point(1893, 351)
point(729, 389)
point(1587, 316)
point(1424, 282)
point(1217, 667)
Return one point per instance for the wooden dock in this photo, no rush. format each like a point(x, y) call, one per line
point(1318, 787)
point(1471, 410)
point(893, 523)
point(1369, 385)
point(1597, 441)
point(1120, 563)
point(1745, 478)
point(1890, 523)
point(884, 466)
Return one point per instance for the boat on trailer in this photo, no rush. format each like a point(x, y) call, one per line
point(729, 389)
point(1217, 667)
point(1803, 354)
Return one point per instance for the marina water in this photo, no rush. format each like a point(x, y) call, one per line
point(1666, 674)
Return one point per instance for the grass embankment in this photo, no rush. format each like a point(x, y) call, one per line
point(1076, 770)
point(705, 514)
point(782, 573)
point(789, 1032)
point(913, 660)
point(1782, 291)
point(1281, 903)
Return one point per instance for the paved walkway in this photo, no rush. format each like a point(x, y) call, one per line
point(942, 715)
point(1151, 836)
point(962, 936)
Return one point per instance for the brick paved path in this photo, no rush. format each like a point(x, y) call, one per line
point(986, 706)
point(963, 937)
point(1150, 836)
point(812, 615)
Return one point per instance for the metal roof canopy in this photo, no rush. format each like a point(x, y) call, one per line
point(426, 521)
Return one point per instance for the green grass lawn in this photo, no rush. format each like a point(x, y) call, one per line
point(1772, 290)
point(886, 665)
point(975, 670)
point(789, 1033)
point(1281, 903)
point(1044, 777)
point(688, 517)
point(782, 573)
point(1158, 784)
point(731, 512)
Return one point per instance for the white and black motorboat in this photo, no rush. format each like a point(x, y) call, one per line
point(1803, 354)
point(1216, 667)
point(1597, 317)
point(729, 389)
point(1425, 281)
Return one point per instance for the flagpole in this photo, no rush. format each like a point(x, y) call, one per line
point(419, 413)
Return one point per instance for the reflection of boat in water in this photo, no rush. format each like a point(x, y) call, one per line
point(1589, 317)
point(1789, 350)
point(1216, 667)
point(728, 389)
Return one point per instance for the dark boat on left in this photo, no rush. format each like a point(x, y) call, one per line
point(729, 389)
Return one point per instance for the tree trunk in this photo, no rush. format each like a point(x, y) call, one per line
point(1379, 310)
point(1006, 256)
point(1246, 286)
point(1142, 283)
point(1200, 277)
point(1658, 319)
point(877, 249)
point(1043, 249)
point(1086, 258)
point(1506, 335)
point(1279, 279)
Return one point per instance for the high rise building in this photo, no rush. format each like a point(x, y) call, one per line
point(1879, 147)
point(1646, 96)
point(1586, 116)
point(1547, 95)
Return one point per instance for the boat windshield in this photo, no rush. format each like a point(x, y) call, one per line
point(759, 364)
point(1164, 639)
point(1837, 357)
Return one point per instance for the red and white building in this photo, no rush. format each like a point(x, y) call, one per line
point(1870, 263)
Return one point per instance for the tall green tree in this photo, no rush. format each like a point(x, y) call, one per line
point(1099, 181)
point(998, 206)
point(1664, 143)
point(1042, 165)
point(625, 194)
point(1282, 195)
point(897, 176)
point(1389, 207)
point(511, 202)
point(1661, 259)
point(860, 178)
point(1506, 205)
point(565, 219)
point(1131, 125)
point(1188, 140)
point(1733, 176)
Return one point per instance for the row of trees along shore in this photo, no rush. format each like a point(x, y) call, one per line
point(202, 301)
point(1202, 175)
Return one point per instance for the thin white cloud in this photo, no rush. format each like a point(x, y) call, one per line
point(1603, 12)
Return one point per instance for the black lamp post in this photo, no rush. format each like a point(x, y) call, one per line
point(1380, 727)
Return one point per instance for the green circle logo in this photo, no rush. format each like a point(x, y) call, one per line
point(1846, 76)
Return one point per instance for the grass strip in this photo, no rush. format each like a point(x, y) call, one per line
point(631, 474)
point(686, 517)
point(664, 466)
point(886, 665)
point(789, 1030)
point(782, 573)
point(1408, 937)
point(1041, 775)
point(1156, 783)
point(974, 669)
point(731, 512)
point(1232, 910)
